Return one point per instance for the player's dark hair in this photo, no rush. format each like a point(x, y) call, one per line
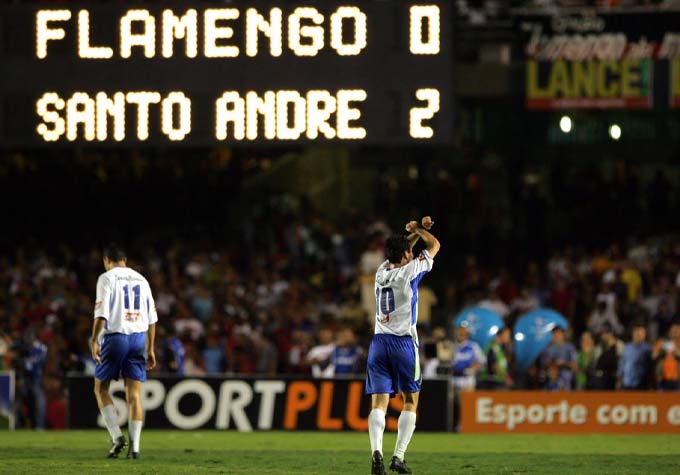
point(114, 252)
point(395, 247)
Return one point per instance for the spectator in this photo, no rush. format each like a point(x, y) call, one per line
point(494, 303)
point(426, 300)
point(467, 360)
point(32, 358)
point(213, 356)
point(607, 360)
point(438, 354)
point(586, 362)
point(636, 361)
point(495, 374)
point(562, 356)
point(369, 262)
point(319, 356)
point(173, 355)
point(346, 357)
point(666, 356)
point(605, 314)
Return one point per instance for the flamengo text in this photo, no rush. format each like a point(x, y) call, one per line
point(230, 32)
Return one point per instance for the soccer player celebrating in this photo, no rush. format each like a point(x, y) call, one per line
point(122, 344)
point(393, 365)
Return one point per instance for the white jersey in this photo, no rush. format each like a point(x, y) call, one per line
point(124, 299)
point(396, 296)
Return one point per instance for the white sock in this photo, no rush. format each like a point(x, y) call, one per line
point(110, 416)
point(376, 427)
point(406, 425)
point(135, 431)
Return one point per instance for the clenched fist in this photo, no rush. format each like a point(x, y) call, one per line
point(427, 222)
point(411, 226)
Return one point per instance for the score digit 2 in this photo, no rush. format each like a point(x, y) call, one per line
point(419, 114)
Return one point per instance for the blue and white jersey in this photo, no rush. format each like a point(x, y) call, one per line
point(124, 300)
point(465, 355)
point(396, 295)
point(346, 359)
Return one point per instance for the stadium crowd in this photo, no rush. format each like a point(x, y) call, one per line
point(305, 308)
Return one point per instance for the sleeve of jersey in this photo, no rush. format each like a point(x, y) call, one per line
point(420, 266)
point(102, 303)
point(151, 309)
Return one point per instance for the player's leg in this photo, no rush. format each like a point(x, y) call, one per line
point(112, 353)
point(379, 384)
point(133, 390)
point(134, 372)
point(110, 416)
point(408, 365)
point(405, 428)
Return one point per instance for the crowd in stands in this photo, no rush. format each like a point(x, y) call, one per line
point(301, 308)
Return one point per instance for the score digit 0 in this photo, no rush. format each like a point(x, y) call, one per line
point(429, 43)
point(419, 114)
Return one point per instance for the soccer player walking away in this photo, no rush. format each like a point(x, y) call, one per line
point(393, 366)
point(122, 344)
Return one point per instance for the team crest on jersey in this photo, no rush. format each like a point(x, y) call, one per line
point(384, 320)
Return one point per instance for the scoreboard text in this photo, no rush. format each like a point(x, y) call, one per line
point(248, 72)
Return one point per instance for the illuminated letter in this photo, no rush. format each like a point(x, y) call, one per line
point(418, 114)
point(43, 33)
point(114, 108)
point(143, 99)
point(359, 17)
point(84, 48)
point(271, 29)
point(346, 114)
point(284, 131)
point(213, 32)
point(80, 110)
point(230, 108)
point(266, 107)
point(296, 32)
point(147, 39)
point(50, 99)
point(320, 106)
point(417, 44)
point(167, 123)
point(183, 27)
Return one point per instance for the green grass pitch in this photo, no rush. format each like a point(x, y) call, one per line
point(293, 453)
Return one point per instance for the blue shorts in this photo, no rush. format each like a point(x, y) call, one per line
point(122, 355)
point(393, 365)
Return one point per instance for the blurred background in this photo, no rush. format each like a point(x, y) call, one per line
point(548, 193)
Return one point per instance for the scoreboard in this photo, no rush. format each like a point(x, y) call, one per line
point(238, 72)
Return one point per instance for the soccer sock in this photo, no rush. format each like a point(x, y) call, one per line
point(135, 431)
point(110, 416)
point(406, 425)
point(376, 427)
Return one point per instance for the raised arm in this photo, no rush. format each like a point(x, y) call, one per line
point(431, 243)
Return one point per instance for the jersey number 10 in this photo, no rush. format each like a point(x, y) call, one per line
point(384, 300)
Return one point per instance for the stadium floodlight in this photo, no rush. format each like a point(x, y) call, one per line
point(565, 124)
point(615, 131)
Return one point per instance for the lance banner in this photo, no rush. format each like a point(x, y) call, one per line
point(596, 60)
point(675, 82)
point(248, 404)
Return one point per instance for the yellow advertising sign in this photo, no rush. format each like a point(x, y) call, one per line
point(624, 83)
point(675, 82)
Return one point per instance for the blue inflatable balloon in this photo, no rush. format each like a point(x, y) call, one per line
point(482, 324)
point(533, 333)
